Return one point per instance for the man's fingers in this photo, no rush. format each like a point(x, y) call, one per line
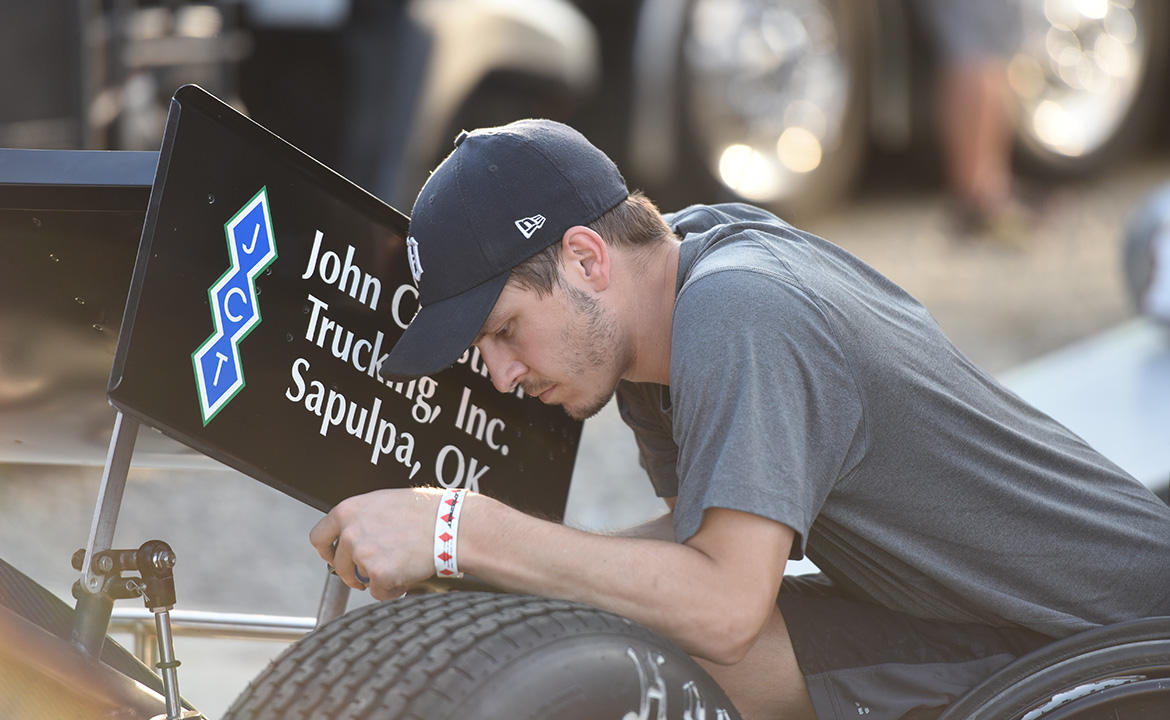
point(391, 593)
point(347, 567)
point(323, 536)
point(362, 539)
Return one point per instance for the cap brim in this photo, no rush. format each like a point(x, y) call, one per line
point(441, 331)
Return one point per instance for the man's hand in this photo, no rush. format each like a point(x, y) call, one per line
point(386, 535)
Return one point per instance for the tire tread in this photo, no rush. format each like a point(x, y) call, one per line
point(412, 658)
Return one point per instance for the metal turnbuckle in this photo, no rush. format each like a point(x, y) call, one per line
point(155, 583)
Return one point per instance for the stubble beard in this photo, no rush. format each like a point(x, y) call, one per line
point(593, 346)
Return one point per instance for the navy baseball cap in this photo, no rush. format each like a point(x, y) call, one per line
point(503, 195)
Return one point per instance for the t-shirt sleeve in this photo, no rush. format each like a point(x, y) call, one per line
point(765, 407)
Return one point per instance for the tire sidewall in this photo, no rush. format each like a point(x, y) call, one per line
point(585, 677)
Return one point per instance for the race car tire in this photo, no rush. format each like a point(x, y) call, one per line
point(486, 655)
point(1123, 663)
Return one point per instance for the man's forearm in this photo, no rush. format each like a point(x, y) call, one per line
point(712, 594)
point(676, 589)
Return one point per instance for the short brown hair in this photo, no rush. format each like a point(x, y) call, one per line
point(633, 223)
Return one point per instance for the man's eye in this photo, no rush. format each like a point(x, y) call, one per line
point(504, 331)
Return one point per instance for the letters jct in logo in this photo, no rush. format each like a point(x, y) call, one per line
point(219, 374)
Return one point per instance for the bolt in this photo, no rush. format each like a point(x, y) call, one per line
point(78, 560)
point(163, 560)
point(105, 564)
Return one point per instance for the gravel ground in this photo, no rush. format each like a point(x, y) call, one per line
point(242, 547)
point(1005, 304)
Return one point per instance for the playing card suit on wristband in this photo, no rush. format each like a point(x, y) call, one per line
point(447, 534)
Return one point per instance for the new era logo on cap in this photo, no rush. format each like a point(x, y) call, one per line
point(416, 269)
point(530, 225)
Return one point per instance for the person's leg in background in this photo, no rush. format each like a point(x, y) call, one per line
point(975, 40)
point(977, 131)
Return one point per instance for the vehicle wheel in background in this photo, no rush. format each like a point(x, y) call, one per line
point(1089, 81)
point(484, 655)
point(773, 101)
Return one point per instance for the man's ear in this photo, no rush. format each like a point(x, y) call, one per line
point(585, 257)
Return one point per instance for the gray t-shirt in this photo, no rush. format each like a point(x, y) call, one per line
point(809, 389)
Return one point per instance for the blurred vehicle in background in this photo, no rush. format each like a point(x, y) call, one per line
point(376, 89)
point(99, 74)
point(777, 102)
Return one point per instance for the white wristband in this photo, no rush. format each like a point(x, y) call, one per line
point(447, 533)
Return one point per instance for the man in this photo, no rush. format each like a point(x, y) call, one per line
point(786, 399)
point(975, 40)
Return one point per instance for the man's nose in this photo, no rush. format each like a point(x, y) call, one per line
point(505, 371)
